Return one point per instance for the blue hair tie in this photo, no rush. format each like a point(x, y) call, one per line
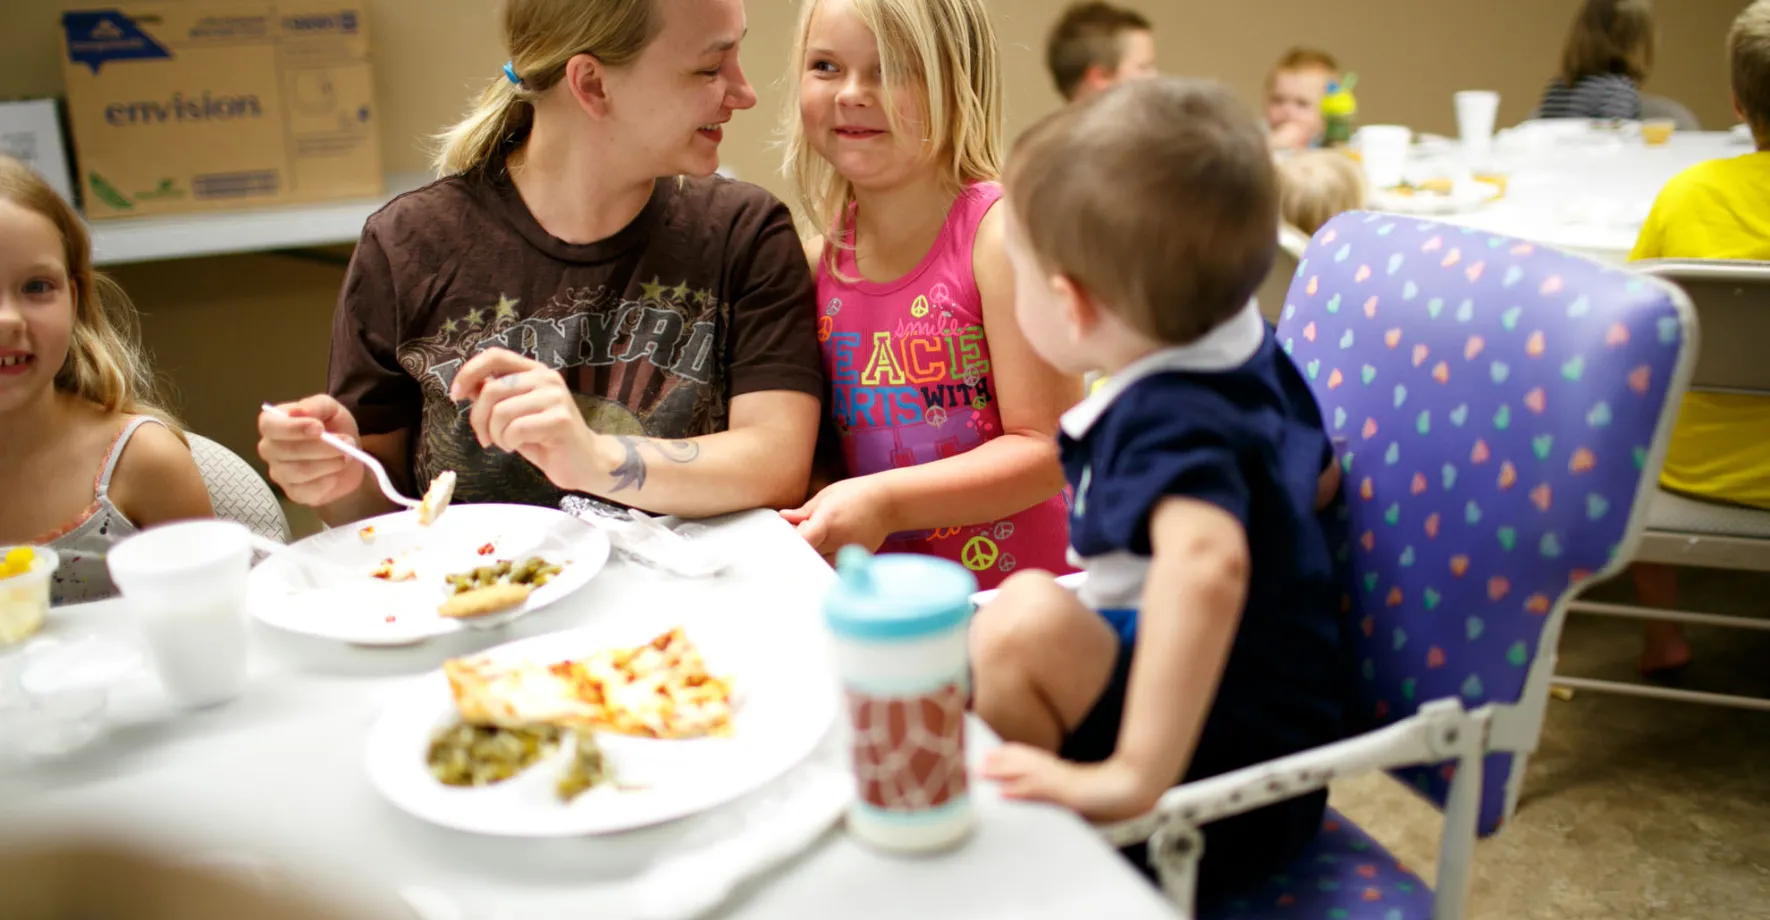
point(510, 73)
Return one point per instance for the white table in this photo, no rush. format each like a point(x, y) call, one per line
point(1593, 198)
point(277, 776)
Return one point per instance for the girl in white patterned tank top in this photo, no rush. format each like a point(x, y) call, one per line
point(80, 469)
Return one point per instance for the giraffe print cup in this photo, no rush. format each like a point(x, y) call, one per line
point(899, 624)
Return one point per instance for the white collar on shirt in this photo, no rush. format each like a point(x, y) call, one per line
point(1226, 347)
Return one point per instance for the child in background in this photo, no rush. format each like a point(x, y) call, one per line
point(1608, 55)
point(1294, 90)
point(1720, 449)
point(89, 456)
point(1097, 45)
point(1207, 635)
point(946, 416)
point(1315, 186)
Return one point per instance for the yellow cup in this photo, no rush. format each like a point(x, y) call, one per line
point(1657, 132)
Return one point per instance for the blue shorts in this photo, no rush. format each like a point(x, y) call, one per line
point(1094, 738)
point(1239, 851)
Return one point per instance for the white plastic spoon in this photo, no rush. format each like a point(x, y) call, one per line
point(350, 450)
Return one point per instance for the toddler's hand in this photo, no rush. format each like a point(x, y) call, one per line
point(1289, 136)
point(1107, 791)
point(850, 512)
point(309, 470)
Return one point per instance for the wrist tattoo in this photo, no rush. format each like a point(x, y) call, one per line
point(630, 472)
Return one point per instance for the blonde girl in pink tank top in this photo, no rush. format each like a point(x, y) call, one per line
point(945, 417)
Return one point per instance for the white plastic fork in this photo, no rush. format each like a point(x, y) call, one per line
point(350, 450)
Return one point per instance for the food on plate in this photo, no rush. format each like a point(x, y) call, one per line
point(366, 534)
point(477, 756)
point(533, 571)
point(661, 689)
point(24, 593)
point(436, 498)
point(489, 599)
point(394, 569)
point(487, 549)
point(1428, 187)
point(587, 770)
point(480, 755)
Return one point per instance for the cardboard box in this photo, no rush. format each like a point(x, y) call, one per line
point(204, 105)
point(30, 130)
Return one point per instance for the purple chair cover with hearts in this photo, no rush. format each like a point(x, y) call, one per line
point(1500, 404)
point(1502, 410)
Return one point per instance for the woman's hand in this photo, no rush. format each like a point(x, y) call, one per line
point(310, 471)
point(851, 512)
point(524, 407)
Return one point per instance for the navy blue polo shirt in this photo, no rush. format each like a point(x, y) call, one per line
point(1226, 420)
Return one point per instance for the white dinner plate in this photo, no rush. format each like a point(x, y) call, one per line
point(1465, 196)
point(785, 700)
point(323, 586)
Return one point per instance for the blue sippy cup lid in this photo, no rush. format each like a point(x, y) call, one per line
point(898, 596)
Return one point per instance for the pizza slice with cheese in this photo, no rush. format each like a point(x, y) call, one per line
point(661, 689)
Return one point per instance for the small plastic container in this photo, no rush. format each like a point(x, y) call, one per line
point(58, 694)
point(1658, 132)
point(899, 623)
point(24, 598)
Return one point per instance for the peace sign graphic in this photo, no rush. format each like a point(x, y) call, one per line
point(979, 553)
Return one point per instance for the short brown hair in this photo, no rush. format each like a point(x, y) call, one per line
point(1156, 197)
point(1088, 35)
point(1304, 59)
point(1316, 185)
point(1609, 37)
point(1748, 46)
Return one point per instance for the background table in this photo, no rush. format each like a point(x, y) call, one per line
point(278, 776)
point(1591, 198)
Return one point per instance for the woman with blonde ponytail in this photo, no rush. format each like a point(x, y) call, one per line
point(87, 453)
point(577, 304)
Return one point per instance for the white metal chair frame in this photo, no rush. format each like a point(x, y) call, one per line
point(1729, 361)
point(1441, 730)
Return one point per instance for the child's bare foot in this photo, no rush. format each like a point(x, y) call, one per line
point(1663, 648)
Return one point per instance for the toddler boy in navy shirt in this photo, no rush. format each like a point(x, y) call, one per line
point(1207, 636)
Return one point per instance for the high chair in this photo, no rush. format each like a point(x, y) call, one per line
point(1505, 408)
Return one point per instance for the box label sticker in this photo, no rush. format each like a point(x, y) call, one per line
point(95, 37)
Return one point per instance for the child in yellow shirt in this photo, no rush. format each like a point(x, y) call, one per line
point(1720, 449)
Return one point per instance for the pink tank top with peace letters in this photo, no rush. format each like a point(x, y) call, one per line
point(911, 383)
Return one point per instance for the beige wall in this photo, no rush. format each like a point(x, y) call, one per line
point(233, 331)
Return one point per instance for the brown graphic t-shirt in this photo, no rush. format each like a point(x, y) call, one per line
point(705, 296)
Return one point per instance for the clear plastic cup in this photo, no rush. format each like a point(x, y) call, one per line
point(24, 598)
point(1658, 131)
point(185, 585)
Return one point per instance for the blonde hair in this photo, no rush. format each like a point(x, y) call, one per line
point(1609, 37)
point(1748, 47)
point(105, 364)
point(1157, 198)
point(1304, 59)
point(542, 36)
point(1316, 185)
point(945, 49)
